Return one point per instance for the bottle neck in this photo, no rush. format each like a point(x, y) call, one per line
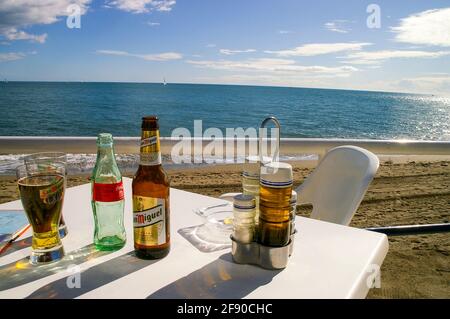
point(150, 152)
point(105, 151)
point(106, 162)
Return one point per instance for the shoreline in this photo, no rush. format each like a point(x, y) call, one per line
point(307, 161)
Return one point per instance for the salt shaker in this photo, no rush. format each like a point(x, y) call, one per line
point(244, 218)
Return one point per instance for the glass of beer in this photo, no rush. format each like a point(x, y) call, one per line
point(49, 158)
point(41, 188)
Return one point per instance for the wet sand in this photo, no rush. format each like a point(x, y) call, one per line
point(404, 191)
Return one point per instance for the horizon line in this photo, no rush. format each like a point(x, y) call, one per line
point(221, 84)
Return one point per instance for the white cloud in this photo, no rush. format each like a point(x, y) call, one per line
point(166, 56)
point(210, 45)
point(285, 31)
point(142, 6)
point(18, 14)
point(153, 24)
point(431, 27)
point(428, 84)
point(11, 56)
point(313, 49)
point(340, 26)
point(275, 66)
point(425, 84)
point(231, 52)
point(165, 5)
point(290, 80)
point(376, 57)
point(13, 34)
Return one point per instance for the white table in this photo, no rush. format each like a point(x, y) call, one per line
point(329, 261)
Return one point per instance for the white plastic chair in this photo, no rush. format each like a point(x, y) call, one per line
point(337, 185)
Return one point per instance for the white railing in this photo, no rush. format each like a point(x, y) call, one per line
point(130, 145)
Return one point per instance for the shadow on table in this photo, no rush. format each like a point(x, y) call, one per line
point(16, 246)
point(22, 272)
point(220, 279)
point(93, 277)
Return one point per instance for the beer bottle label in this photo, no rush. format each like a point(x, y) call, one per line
point(150, 148)
point(107, 192)
point(149, 220)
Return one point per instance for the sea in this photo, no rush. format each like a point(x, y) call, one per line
point(86, 109)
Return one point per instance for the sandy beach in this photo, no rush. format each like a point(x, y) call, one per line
point(405, 190)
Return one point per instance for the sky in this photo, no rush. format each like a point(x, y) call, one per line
point(389, 45)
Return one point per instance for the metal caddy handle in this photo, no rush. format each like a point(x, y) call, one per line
point(276, 153)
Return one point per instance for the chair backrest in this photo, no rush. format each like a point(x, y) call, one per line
point(337, 185)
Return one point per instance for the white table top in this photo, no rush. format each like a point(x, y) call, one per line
point(329, 261)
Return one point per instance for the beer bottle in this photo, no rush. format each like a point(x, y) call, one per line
point(151, 210)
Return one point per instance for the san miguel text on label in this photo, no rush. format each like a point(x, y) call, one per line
point(151, 210)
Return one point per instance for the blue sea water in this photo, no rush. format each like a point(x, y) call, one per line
point(85, 109)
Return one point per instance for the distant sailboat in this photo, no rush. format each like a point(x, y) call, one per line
point(164, 82)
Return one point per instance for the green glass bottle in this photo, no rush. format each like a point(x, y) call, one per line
point(107, 197)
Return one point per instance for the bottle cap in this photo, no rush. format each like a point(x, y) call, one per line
point(150, 122)
point(294, 198)
point(104, 139)
point(242, 201)
point(276, 174)
point(252, 166)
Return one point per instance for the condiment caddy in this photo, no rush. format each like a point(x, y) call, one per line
point(264, 220)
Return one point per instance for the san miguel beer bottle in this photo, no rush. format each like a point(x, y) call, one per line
point(151, 212)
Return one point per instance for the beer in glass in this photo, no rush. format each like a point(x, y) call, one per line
point(48, 158)
point(41, 188)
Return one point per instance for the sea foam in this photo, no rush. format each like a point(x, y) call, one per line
point(128, 163)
